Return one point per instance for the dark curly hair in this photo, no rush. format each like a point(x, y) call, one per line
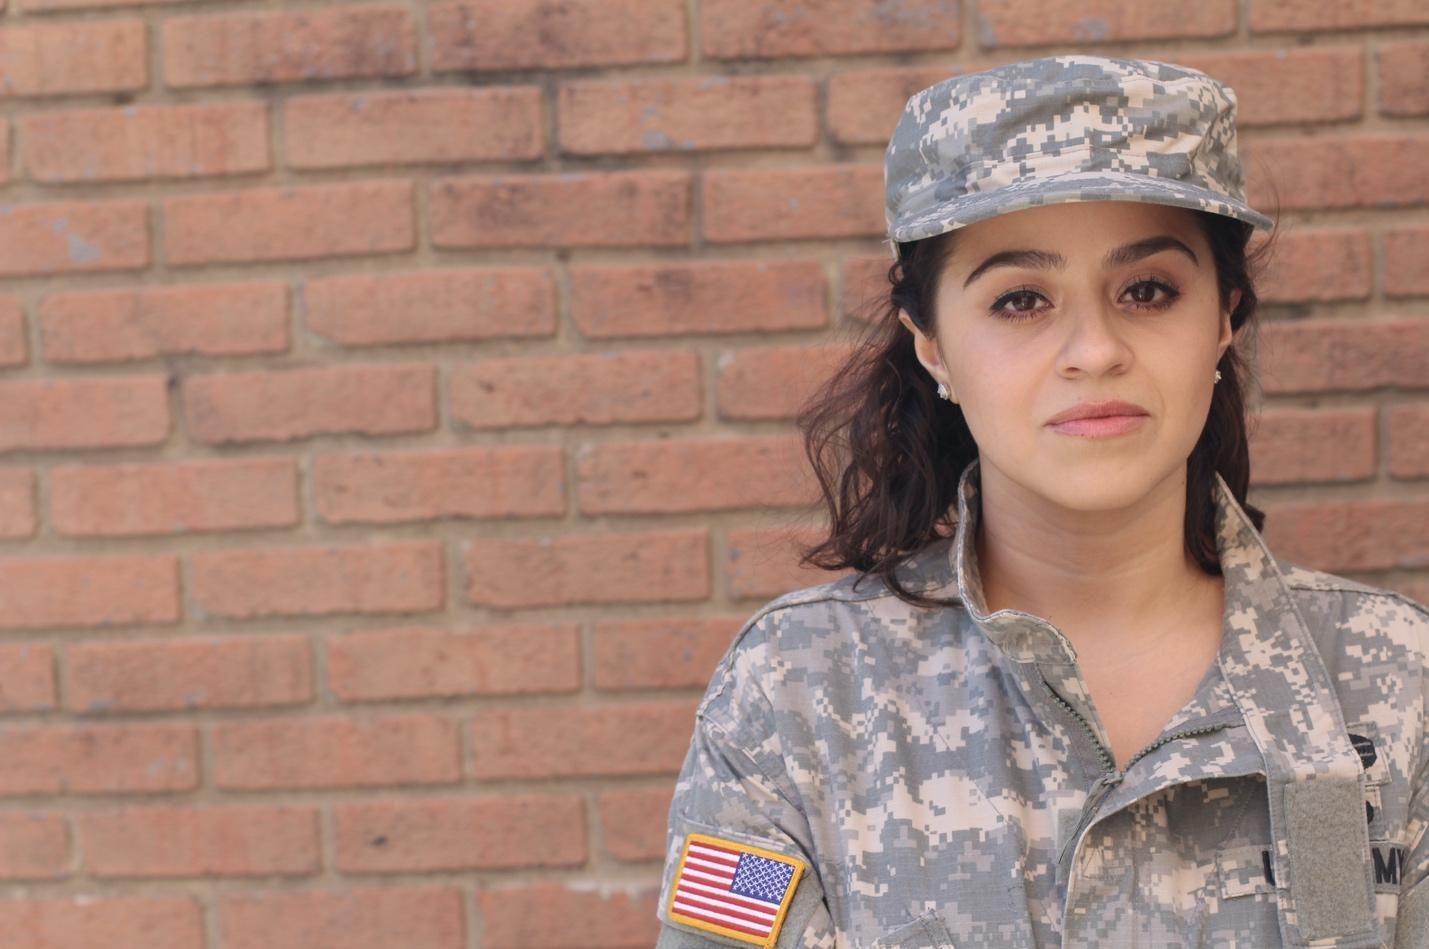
point(887, 452)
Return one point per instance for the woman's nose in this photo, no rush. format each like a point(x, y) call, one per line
point(1094, 343)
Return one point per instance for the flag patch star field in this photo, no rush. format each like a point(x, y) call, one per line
point(733, 889)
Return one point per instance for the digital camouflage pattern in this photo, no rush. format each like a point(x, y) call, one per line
point(943, 774)
point(1058, 129)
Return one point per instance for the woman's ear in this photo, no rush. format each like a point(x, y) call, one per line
point(1227, 331)
point(928, 354)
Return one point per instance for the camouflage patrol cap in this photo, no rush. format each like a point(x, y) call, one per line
point(1060, 129)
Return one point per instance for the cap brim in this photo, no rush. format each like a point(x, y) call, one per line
point(1069, 188)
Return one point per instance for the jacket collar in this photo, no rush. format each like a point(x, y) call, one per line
point(1257, 596)
point(1273, 671)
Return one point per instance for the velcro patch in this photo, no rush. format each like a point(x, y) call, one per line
point(733, 889)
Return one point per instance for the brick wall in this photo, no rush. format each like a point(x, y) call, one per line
point(380, 386)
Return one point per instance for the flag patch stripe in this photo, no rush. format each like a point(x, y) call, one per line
point(718, 853)
point(752, 915)
point(694, 888)
point(714, 906)
point(721, 919)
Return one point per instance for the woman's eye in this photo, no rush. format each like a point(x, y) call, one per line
point(1023, 303)
point(1144, 294)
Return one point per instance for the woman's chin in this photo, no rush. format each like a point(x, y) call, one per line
point(1097, 485)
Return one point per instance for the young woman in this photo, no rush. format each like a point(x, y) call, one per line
point(1068, 697)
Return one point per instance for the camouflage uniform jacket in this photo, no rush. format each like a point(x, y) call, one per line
point(940, 778)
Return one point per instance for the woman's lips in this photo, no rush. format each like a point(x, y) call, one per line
point(1103, 427)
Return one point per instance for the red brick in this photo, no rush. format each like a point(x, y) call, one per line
point(573, 209)
point(74, 57)
point(757, 29)
point(414, 126)
point(1352, 355)
point(533, 34)
point(408, 917)
point(283, 405)
point(73, 237)
point(390, 577)
point(289, 223)
point(98, 759)
point(208, 841)
point(97, 326)
point(50, 6)
point(655, 385)
point(707, 474)
point(150, 141)
point(281, 46)
point(432, 306)
point(1272, 15)
point(1318, 264)
point(864, 105)
point(645, 738)
point(115, 922)
point(14, 338)
point(1409, 441)
point(866, 289)
point(173, 497)
point(17, 503)
point(27, 681)
point(1406, 262)
point(1027, 23)
point(1403, 78)
point(1340, 536)
point(49, 592)
point(645, 567)
point(113, 412)
point(1290, 445)
point(394, 487)
point(168, 674)
point(1309, 84)
point(633, 823)
point(553, 916)
point(415, 662)
point(33, 846)
point(335, 752)
point(670, 299)
point(433, 834)
point(774, 382)
point(662, 653)
point(1330, 172)
point(762, 563)
point(809, 202)
point(687, 114)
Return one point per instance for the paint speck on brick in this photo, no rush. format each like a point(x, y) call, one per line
point(1093, 28)
point(986, 34)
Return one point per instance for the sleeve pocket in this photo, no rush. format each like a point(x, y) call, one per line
point(1243, 871)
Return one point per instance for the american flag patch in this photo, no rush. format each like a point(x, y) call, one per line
point(733, 889)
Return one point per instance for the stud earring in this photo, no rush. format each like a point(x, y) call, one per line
point(943, 392)
point(1218, 375)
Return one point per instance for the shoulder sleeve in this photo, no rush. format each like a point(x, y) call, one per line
point(738, 867)
point(1411, 926)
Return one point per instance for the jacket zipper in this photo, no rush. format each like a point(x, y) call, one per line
point(1110, 776)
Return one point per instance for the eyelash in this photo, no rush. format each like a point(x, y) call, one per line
point(1013, 316)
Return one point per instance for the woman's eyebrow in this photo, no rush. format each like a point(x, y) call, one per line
point(1130, 253)
point(1037, 259)
point(1048, 260)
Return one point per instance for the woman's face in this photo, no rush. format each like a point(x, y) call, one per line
point(1042, 309)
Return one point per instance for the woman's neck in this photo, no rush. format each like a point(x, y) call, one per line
point(1103, 578)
